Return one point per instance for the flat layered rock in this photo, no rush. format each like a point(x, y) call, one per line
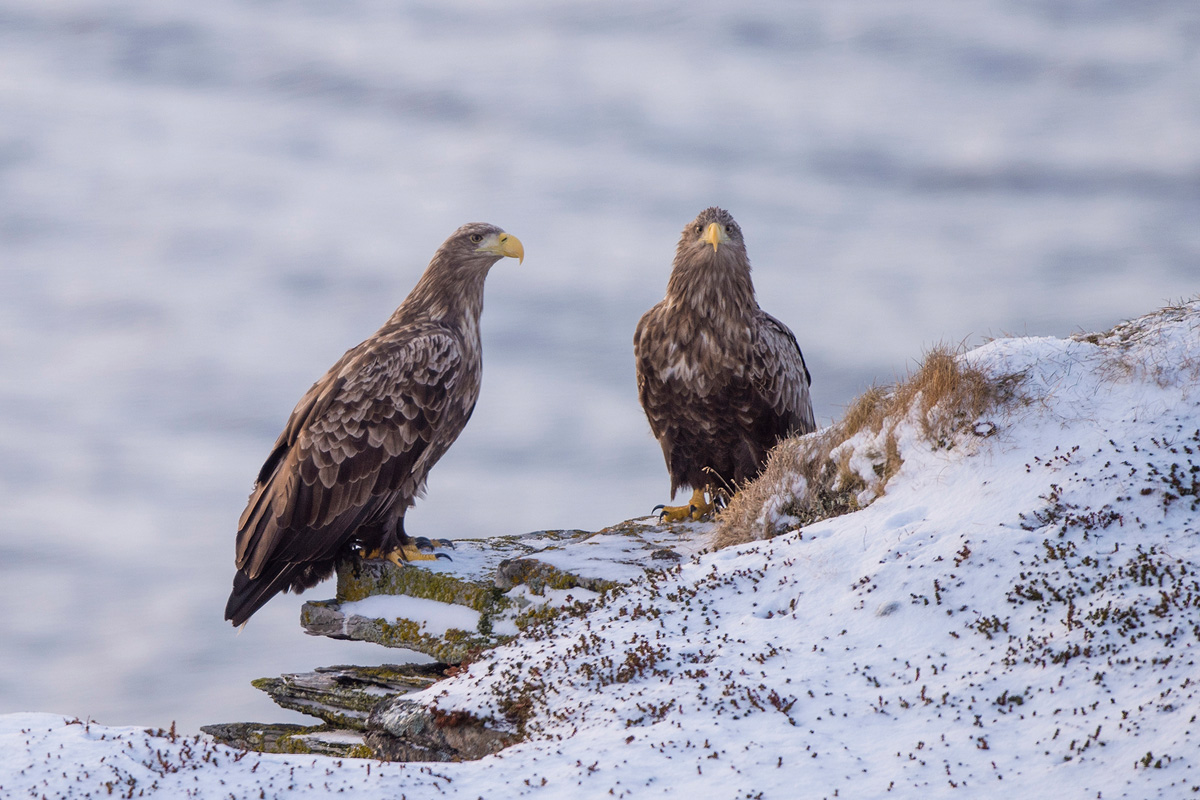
point(402, 730)
point(344, 696)
point(289, 739)
point(449, 608)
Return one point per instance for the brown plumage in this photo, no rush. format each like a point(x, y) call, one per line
point(721, 380)
point(357, 448)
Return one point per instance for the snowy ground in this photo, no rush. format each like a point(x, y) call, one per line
point(1017, 614)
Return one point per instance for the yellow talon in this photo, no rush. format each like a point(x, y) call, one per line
point(409, 552)
point(674, 513)
point(697, 509)
point(403, 554)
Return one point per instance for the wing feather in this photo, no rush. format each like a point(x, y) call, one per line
point(358, 442)
point(649, 340)
point(780, 375)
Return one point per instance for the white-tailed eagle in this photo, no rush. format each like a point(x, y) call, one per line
point(721, 380)
point(356, 450)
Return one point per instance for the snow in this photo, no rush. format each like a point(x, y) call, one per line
point(436, 617)
point(1016, 614)
point(506, 624)
point(617, 557)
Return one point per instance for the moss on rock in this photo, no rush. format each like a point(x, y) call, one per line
point(357, 581)
point(288, 739)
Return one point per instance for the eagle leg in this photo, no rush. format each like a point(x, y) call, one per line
point(697, 509)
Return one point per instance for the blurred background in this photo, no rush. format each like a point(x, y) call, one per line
point(202, 205)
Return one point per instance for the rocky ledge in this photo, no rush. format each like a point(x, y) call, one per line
point(482, 598)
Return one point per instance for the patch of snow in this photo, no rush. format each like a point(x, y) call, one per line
point(622, 558)
point(336, 737)
point(435, 617)
point(505, 624)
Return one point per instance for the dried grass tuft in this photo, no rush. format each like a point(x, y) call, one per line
point(1128, 343)
point(812, 477)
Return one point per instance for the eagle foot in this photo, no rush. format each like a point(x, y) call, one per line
point(698, 508)
point(419, 549)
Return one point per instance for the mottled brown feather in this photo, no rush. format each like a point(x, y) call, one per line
point(721, 381)
point(357, 448)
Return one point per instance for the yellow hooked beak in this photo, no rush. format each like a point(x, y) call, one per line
point(503, 244)
point(714, 234)
point(510, 246)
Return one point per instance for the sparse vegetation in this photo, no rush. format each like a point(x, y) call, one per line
point(1123, 339)
point(847, 465)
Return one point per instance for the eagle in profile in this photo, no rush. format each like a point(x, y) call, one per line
point(357, 448)
point(721, 380)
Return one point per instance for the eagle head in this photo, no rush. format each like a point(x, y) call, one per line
point(479, 242)
point(712, 239)
point(714, 230)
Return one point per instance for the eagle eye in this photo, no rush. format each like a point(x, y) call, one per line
point(699, 229)
point(477, 237)
point(729, 229)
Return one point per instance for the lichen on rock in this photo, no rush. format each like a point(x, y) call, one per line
point(288, 739)
point(502, 579)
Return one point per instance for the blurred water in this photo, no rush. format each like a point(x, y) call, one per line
point(203, 204)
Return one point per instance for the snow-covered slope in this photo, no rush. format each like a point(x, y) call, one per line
point(1019, 613)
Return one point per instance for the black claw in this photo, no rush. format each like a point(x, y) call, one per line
point(427, 545)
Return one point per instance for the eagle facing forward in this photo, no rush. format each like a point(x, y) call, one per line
point(357, 448)
point(721, 380)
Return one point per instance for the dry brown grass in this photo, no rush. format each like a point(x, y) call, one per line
point(1128, 344)
point(810, 478)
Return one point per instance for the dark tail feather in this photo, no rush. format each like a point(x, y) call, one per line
point(251, 594)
